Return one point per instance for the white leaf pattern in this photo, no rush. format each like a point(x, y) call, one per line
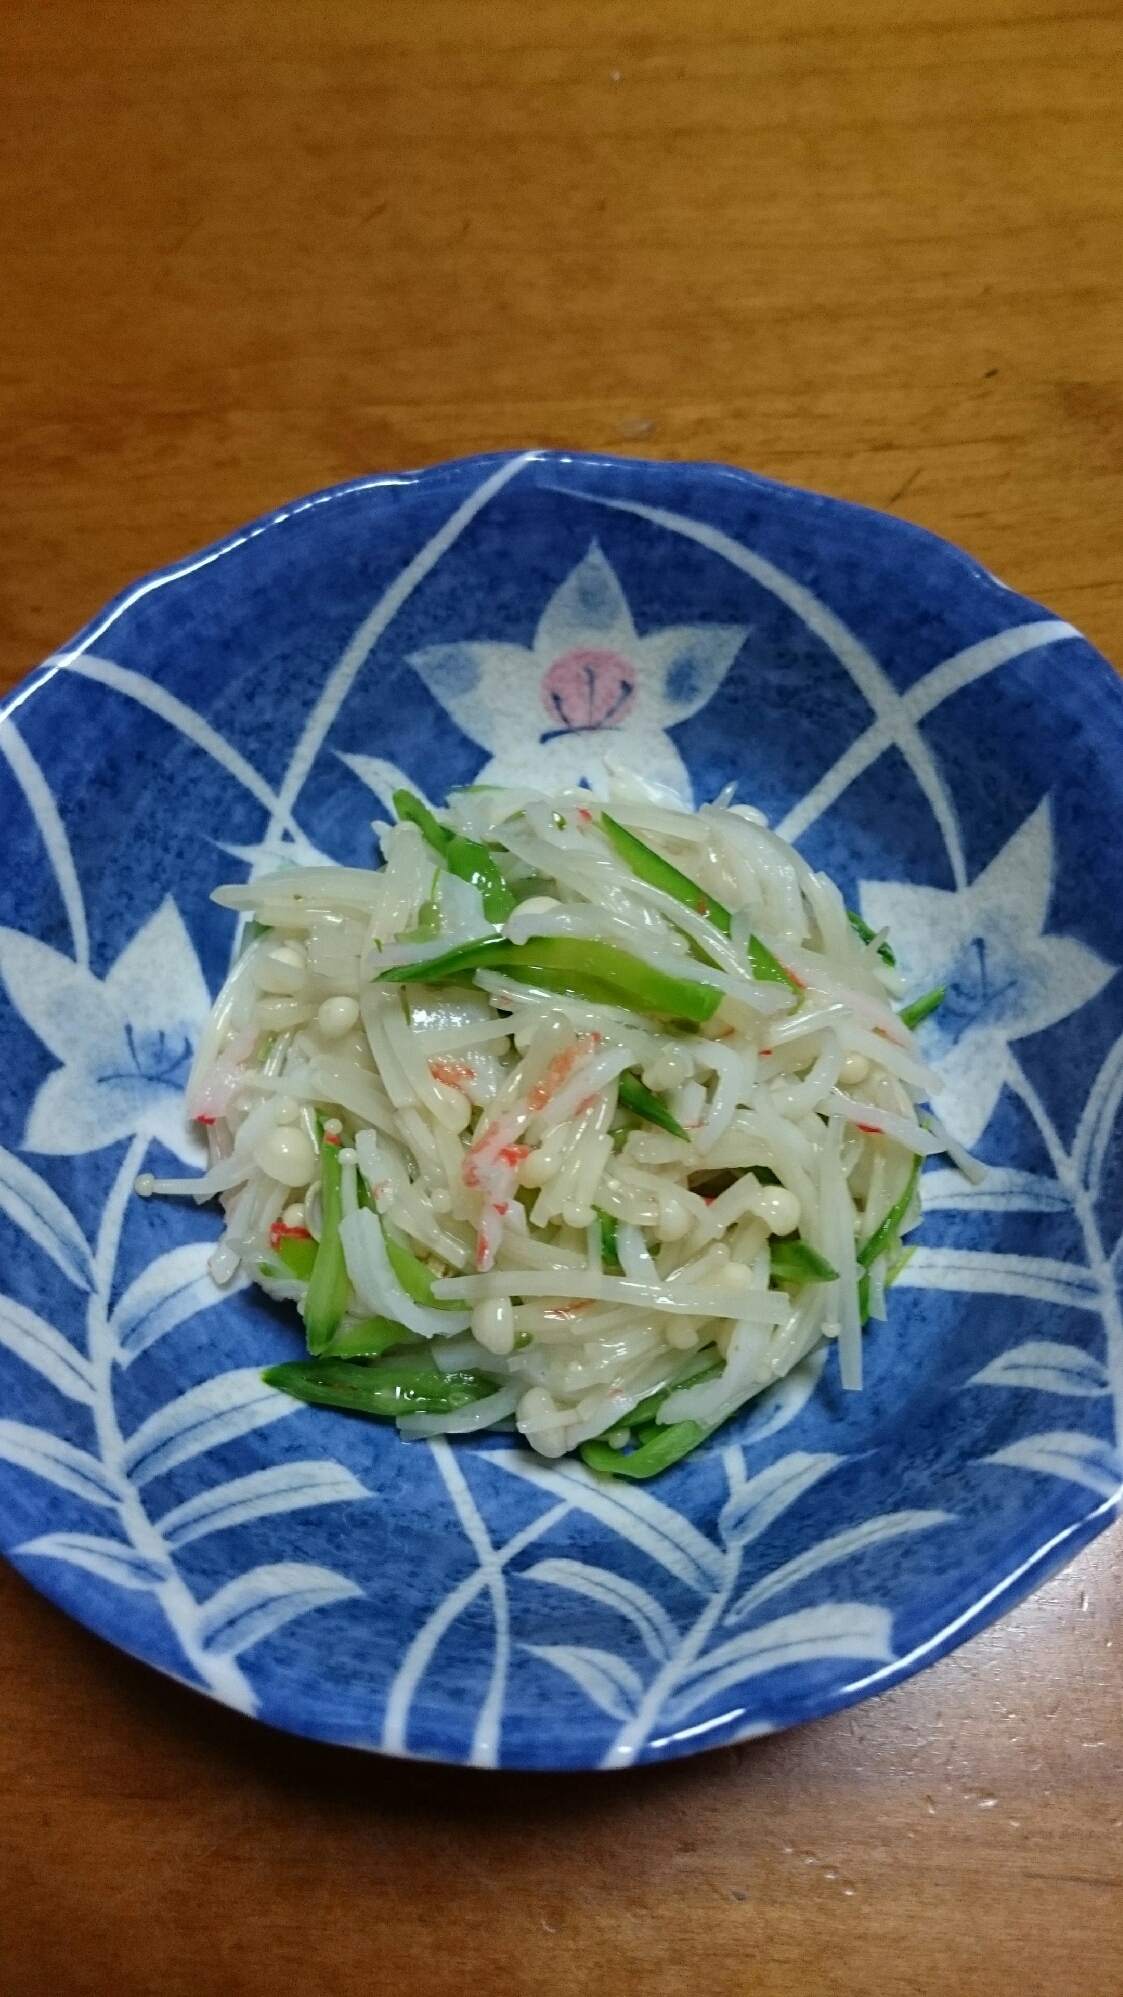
point(110, 1559)
point(751, 1508)
point(261, 1602)
point(838, 1629)
point(287, 1487)
point(613, 1591)
point(59, 1462)
point(986, 1273)
point(829, 1552)
point(36, 1208)
point(218, 1411)
point(1046, 1367)
point(1082, 1459)
point(651, 1527)
point(1093, 1135)
point(606, 1679)
point(173, 1288)
point(39, 1345)
point(1004, 1190)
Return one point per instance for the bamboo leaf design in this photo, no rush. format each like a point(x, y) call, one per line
point(751, 1507)
point(1082, 1459)
point(35, 1207)
point(1004, 1190)
point(1094, 1131)
point(218, 1411)
point(173, 1288)
point(606, 1679)
point(985, 1272)
point(1047, 1368)
point(59, 1462)
point(829, 1552)
point(261, 1602)
point(649, 1525)
point(613, 1591)
point(110, 1559)
point(838, 1629)
point(39, 1345)
point(287, 1487)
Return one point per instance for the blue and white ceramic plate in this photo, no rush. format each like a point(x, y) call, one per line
point(950, 752)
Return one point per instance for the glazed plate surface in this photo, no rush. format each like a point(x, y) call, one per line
point(949, 751)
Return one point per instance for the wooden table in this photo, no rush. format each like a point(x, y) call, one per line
point(871, 248)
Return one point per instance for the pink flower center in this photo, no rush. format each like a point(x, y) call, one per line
point(587, 688)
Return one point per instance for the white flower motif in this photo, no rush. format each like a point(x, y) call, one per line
point(588, 693)
point(1005, 978)
point(125, 1045)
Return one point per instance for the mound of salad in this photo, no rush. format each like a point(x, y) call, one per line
point(590, 1119)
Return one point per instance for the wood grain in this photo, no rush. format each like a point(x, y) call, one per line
point(250, 250)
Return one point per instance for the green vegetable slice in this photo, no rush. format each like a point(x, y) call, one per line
point(895, 1269)
point(911, 1015)
point(415, 1279)
point(651, 867)
point(706, 1367)
point(466, 858)
point(410, 807)
point(769, 968)
point(795, 1261)
point(570, 964)
point(385, 1388)
point(608, 1252)
point(298, 1255)
point(886, 1232)
point(428, 924)
point(867, 935)
point(329, 1286)
point(642, 1102)
point(472, 862)
point(370, 1339)
point(671, 1444)
point(659, 873)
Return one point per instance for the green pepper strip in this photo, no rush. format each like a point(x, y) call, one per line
point(888, 1229)
point(466, 858)
point(369, 1339)
point(329, 1286)
point(408, 805)
point(298, 1255)
point(706, 1366)
point(428, 922)
point(906, 1255)
point(911, 1015)
point(608, 1251)
point(654, 1452)
point(471, 861)
point(642, 1102)
point(659, 873)
point(251, 932)
point(673, 1442)
point(769, 968)
point(415, 1279)
point(796, 1261)
point(387, 1388)
point(867, 935)
point(570, 964)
